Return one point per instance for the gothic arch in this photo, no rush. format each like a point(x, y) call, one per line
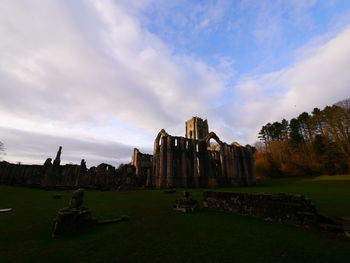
point(156, 141)
point(212, 135)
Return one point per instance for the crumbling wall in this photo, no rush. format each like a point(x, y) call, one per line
point(50, 176)
point(143, 164)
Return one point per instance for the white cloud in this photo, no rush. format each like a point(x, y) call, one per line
point(315, 81)
point(91, 70)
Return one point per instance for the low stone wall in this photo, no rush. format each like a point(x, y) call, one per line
point(283, 208)
point(70, 176)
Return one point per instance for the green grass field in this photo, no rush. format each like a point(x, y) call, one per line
point(156, 233)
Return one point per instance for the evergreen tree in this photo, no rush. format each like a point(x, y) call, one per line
point(294, 133)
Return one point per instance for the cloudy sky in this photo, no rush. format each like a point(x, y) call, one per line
point(101, 77)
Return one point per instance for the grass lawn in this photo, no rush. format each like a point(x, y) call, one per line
point(156, 233)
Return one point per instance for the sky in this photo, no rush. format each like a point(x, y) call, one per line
point(100, 77)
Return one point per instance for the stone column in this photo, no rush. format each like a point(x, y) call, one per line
point(169, 162)
point(162, 162)
point(184, 174)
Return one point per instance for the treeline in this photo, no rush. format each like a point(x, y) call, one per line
point(311, 144)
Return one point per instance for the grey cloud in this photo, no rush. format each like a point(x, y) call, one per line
point(22, 146)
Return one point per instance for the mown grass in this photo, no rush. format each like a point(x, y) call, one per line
point(156, 233)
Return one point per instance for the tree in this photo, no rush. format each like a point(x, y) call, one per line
point(263, 135)
point(307, 126)
point(285, 129)
point(316, 143)
point(294, 134)
point(338, 127)
point(318, 121)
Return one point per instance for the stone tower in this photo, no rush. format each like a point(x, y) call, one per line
point(196, 128)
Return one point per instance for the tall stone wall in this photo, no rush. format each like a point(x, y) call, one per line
point(184, 162)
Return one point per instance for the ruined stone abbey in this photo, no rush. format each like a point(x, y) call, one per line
point(191, 161)
point(188, 162)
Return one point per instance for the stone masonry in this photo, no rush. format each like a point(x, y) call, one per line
point(191, 162)
point(292, 209)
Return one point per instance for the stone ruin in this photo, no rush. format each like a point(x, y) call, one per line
point(70, 176)
point(75, 218)
point(191, 162)
point(143, 165)
point(187, 162)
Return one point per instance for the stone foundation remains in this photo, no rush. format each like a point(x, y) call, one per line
point(284, 208)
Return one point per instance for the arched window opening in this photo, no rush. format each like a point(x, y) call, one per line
point(213, 145)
